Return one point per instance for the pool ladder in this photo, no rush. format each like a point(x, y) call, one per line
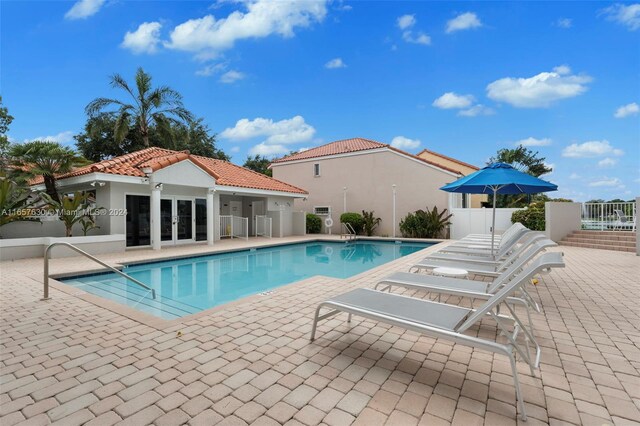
point(349, 233)
point(95, 259)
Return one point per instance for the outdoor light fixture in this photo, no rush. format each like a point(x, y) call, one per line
point(97, 183)
point(158, 186)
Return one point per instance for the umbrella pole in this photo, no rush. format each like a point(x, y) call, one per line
point(493, 225)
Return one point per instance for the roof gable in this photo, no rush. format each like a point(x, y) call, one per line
point(446, 157)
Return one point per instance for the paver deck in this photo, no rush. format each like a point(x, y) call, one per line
point(70, 361)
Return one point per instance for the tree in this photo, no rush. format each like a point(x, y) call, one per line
point(71, 209)
point(45, 158)
point(15, 202)
point(160, 106)
point(524, 160)
point(5, 121)
point(259, 164)
point(196, 137)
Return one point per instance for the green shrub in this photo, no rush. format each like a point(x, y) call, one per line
point(314, 223)
point(369, 222)
point(425, 223)
point(354, 219)
point(531, 216)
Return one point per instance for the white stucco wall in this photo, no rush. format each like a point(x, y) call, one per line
point(369, 178)
point(561, 219)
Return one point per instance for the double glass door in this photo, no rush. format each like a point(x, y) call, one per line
point(182, 220)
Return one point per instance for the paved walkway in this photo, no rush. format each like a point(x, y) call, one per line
point(68, 361)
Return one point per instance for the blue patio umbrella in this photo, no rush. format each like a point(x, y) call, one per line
point(499, 178)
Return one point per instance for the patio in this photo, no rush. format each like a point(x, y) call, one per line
point(70, 361)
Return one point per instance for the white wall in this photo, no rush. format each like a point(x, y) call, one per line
point(23, 248)
point(561, 219)
point(478, 221)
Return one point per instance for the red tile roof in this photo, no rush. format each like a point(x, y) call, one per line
point(352, 145)
point(448, 158)
point(225, 173)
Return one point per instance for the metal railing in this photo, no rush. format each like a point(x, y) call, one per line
point(95, 259)
point(348, 231)
point(226, 226)
point(609, 216)
point(262, 226)
point(240, 228)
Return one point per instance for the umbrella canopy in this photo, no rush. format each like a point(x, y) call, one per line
point(499, 178)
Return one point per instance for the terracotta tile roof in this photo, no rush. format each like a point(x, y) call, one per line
point(448, 158)
point(353, 145)
point(225, 173)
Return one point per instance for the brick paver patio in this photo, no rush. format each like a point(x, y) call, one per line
point(68, 361)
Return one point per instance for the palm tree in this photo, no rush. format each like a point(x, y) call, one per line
point(15, 202)
point(161, 106)
point(45, 158)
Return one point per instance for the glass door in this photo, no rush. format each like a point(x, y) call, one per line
point(201, 219)
point(166, 220)
point(138, 225)
point(184, 213)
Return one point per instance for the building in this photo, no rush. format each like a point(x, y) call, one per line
point(472, 200)
point(360, 174)
point(158, 197)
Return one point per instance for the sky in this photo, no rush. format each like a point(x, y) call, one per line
point(461, 78)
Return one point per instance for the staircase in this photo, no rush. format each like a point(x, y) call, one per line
point(605, 240)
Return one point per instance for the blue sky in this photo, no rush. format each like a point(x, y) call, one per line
point(460, 78)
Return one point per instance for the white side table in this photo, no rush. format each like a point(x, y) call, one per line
point(451, 272)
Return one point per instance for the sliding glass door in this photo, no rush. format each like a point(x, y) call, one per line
point(138, 222)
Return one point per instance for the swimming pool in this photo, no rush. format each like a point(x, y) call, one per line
point(190, 285)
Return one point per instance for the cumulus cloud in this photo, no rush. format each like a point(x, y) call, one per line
point(231, 77)
point(564, 23)
point(406, 24)
point(452, 100)
point(143, 40)
point(267, 150)
point(607, 182)
point(476, 110)
point(539, 91)
point(335, 63)
point(464, 21)
point(607, 162)
point(629, 16)
point(591, 149)
point(211, 69)
point(65, 137)
point(83, 9)
point(627, 110)
point(531, 141)
point(574, 176)
point(405, 143)
point(281, 132)
point(261, 19)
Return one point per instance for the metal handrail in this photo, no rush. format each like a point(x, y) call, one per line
point(95, 259)
point(351, 232)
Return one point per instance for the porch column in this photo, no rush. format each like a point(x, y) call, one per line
point(155, 216)
point(211, 216)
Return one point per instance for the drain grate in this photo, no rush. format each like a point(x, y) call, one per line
point(267, 293)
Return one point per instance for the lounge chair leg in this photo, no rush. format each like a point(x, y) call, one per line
point(349, 318)
point(315, 323)
point(516, 382)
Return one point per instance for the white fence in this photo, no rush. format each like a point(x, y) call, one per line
point(263, 226)
point(234, 227)
point(478, 221)
point(609, 216)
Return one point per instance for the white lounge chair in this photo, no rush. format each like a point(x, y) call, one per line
point(484, 249)
point(444, 321)
point(486, 238)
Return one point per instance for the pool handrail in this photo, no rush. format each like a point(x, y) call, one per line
point(95, 259)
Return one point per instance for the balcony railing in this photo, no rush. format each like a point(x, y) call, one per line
point(609, 216)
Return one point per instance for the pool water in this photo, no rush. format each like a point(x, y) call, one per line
point(190, 285)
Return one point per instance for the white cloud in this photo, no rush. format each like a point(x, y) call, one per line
point(591, 149)
point(629, 16)
point(235, 149)
point(464, 21)
point(607, 162)
point(452, 100)
point(62, 137)
point(83, 9)
point(267, 150)
point(289, 131)
point(531, 141)
point(627, 110)
point(476, 110)
point(231, 77)
point(574, 176)
point(405, 143)
point(406, 21)
point(335, 63)
point(564, 23)
point(143, 40)
point(211, 69)
point(539, 91)
point(606, 181)
point(261, 19)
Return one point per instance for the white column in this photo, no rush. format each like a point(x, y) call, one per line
point(156, 192)
point(210, 216)
point(394, 210)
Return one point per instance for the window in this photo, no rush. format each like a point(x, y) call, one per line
point(316, 170)
point(138, 220)
point(322, 210)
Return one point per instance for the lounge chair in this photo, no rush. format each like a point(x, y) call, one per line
point(485, 249)
point(486, 238)
point(444, 321)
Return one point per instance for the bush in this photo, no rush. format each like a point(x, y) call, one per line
point(354, 219)
point(314, 224)
point(424, 223)
point(531, 216)
point(369, 222)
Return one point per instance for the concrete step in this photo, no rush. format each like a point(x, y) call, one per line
point(607, 233)
point(588, 240)
point(602, 237)
point(598, 246)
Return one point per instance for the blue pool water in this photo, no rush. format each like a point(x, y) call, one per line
point(190, 285)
